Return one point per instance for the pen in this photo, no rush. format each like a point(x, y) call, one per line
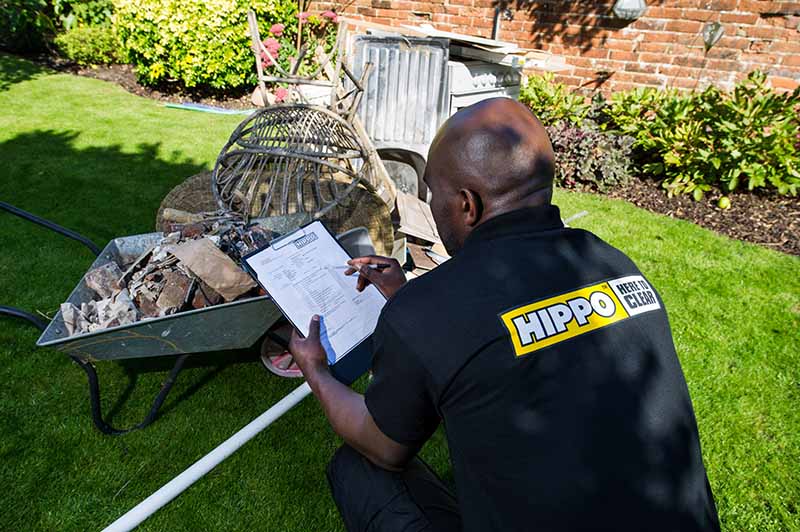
point(373, 266)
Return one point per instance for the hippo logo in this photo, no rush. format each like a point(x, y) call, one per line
point(552, 320)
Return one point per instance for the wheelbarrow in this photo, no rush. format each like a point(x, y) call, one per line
point(235, 325)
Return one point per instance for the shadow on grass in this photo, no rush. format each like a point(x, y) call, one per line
point(100, 191)
point(216, 362)
point(14, 70)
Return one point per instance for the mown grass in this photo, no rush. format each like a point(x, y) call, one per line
point(98, 160)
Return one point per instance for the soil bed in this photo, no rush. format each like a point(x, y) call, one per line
point(125, 77)
point(768, 220)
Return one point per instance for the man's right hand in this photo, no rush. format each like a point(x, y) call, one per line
point(388, 279)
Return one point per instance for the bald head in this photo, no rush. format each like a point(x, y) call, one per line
point(494, 154)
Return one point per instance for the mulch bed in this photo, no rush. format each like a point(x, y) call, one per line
point(769, 220)
point(125, 77)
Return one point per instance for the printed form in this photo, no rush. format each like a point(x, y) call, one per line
point(304, 273)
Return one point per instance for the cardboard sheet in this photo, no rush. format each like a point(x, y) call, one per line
point(214, 267)
point(416, 218)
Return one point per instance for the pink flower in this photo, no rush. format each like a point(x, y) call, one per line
point(331, 15)
point(277, 29)
point(272, 45)
point(281, 94)
point(303, 17)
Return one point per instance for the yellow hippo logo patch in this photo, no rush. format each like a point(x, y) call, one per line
point(549, 321)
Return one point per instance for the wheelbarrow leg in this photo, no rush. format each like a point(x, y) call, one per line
point(94, 396)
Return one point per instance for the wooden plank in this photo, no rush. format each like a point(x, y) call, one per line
point(404, 30)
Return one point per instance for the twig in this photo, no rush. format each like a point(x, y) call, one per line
point(128, 482)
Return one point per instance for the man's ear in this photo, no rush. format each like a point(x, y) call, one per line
point(471, 207)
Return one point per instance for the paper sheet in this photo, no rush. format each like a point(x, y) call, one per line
point(304, 274)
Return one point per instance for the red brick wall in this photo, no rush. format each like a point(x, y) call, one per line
point(664, 48)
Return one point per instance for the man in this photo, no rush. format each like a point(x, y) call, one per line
point(545, 352)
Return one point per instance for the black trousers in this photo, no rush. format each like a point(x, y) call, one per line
point(372, 499)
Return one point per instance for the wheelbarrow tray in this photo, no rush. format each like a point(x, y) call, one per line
point(234, 325)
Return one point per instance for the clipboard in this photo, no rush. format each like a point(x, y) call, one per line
point(355, 361)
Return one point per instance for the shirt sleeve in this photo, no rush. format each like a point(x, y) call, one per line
point(399, 397)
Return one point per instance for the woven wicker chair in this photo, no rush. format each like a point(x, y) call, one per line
point(290, 163)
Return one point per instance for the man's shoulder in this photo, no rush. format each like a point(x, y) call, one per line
point(422, 298)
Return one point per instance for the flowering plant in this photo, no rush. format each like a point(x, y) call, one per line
point(281, 43)
point(195, 44)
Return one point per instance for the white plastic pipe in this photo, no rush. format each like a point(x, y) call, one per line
point(196, 471)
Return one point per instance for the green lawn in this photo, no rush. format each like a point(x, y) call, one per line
point(96, 159)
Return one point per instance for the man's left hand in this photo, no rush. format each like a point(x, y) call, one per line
point(308, 352)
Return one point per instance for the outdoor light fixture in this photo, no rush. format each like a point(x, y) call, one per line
point(629, 9)
point(712, 33)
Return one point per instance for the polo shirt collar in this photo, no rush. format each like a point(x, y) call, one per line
point(520, 221)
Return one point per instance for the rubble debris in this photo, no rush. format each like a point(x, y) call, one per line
point(146, 291)
point(183, 217)
point(205, 296)
point(215, 268)
point(421, 259)
point(175, 292)
point(104, 279)
point(195, 266)
point(240, 241)
point(74, 320)
point(114, 311)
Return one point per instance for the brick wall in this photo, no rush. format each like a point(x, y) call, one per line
point(663, 48)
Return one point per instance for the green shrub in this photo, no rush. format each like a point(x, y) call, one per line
point(75, 13)
point(552, 102)
point(746, 138)
point(89, 45)
point(25, 25)
point(195, 43)
point(589, 158)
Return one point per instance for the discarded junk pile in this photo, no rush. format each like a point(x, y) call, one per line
point(192, 268)
point(282, 167)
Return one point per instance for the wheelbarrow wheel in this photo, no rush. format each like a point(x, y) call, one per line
point(275, 351)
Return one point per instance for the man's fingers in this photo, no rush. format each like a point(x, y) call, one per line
point(313, 329)
point(350, 271)
point(368, 273)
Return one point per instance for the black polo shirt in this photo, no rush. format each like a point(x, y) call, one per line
point(549, 358)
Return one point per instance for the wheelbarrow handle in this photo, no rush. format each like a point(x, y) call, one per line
point(25, 215)
point(17, 313)
point(50, 225)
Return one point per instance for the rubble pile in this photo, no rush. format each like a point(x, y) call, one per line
point(195, 266)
